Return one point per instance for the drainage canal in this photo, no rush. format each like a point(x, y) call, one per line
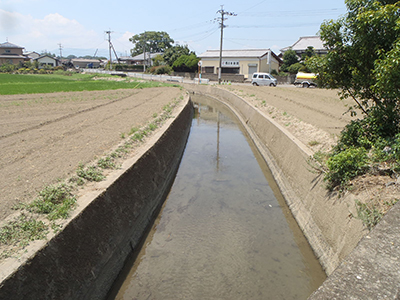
point(224, 231)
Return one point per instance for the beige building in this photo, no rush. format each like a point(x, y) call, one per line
point(242, 62)
point(11, 54)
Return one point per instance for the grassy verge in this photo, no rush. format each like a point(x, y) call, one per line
point(55, 202)
point(11, 84)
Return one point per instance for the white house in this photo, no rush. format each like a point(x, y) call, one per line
point(242, 62)
point(46, 60)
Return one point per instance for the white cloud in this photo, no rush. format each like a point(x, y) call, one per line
point(126, 36)
point(39, 34)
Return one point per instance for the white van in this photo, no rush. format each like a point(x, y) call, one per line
point(263, 79)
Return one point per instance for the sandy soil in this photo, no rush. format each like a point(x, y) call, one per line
point(44, 137)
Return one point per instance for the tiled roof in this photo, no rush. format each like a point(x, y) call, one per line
point(9, 45)
point(307, 41)
point(255, 53)
point(141, 57)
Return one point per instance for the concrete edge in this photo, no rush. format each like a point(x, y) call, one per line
point(369, 267)
point(83, 260)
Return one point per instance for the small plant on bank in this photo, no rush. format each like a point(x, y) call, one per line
point(55, 201)
point(90, 173)
point(22, 230)
point(133, 130)
point(313, 143)
point(369, 216)
point(106, 163)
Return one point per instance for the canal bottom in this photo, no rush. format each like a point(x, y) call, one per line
point(224, 231)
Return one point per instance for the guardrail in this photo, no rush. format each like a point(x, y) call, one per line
point(168, 78)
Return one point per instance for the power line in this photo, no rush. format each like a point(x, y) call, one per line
point(286, 13)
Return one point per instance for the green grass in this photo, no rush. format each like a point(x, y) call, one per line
point(11, 84)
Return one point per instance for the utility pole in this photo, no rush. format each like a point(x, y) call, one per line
point(144, 53)
point(109, 46)
point(221, 20)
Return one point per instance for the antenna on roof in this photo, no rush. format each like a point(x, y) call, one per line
point(60, 48)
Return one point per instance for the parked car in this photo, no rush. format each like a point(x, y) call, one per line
point(263, 79)
point(305, 80)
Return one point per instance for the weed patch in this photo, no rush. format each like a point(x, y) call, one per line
point(22, 230)
point(369, 216)
point(55, 201)
point(90, 173)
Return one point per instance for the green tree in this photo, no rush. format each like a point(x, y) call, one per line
point(308, 53)
point(186, 63)
point(151, 41)
point(173, 53)
point(158, 60)
point(289, 58)
point(295, 68)
point(363, 60)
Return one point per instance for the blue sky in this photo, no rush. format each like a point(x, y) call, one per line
point(79, 26)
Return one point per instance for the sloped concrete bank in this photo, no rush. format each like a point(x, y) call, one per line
point(83, 260)
point(325, 220)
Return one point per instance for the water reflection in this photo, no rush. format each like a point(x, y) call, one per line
point(224, 231)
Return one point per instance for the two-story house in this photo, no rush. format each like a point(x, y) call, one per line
point(11, 54)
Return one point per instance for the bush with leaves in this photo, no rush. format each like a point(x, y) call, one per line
point(160, 70)
point(186, 63)
point(346, 165)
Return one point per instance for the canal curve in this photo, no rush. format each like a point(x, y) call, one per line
point(224, 231)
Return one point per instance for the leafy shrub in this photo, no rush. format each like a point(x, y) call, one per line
point(186, 63)
point(353, 135)
point(7, 68)
point(123, 67)
point(294, 69)
point(274, 72)
point(346, 165)
point(159, 70)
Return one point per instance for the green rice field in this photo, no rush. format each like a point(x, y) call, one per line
point(11, 84)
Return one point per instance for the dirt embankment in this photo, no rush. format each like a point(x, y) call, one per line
point(44, 137)
point(316, 117)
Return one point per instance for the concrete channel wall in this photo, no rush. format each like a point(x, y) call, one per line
point(83, 260)
point(358, 268)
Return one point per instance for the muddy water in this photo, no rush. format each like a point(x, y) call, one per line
point(224, 231)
